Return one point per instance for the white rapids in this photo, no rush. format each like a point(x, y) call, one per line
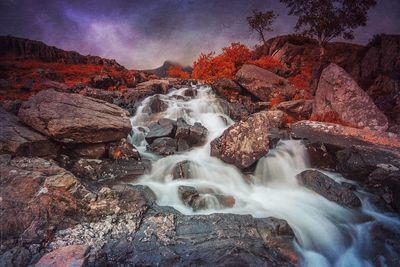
point(326, 233)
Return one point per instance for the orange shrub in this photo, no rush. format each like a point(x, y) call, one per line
point(209, 67)
point(267, 62)
point(302, 80)
point(176, 71)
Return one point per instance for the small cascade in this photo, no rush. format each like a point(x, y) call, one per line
point(327, 234)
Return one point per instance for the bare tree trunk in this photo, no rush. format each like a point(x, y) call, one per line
point(262, 37)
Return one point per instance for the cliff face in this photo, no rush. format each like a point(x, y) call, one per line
point(19, 48)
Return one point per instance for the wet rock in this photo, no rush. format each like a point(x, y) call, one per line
point(264, 84)
point(342, 136)
point(339, 94)
point(18, 139)
point(385, 182)
point(182, 170)
point(321, 156)
point(91, 151)
point(72, 118)
point(245, 142)
point(122, 150)
point(74, 255)
point(357, 162)
point(328, 188)
point(156, 105)
point(235, 111)
point(298, 109)
point(161, 128)
point(190, 92)
point(199, 199)
point(164, 146)
point(194, 135)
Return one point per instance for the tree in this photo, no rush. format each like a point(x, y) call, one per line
point(261, 22)
point(176, 71)
point(327, 19)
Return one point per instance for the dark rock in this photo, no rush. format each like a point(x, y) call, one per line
point(108, 96)
point(321, 156)
point(328, 188)
point(17, 139)
point(103, 81)
point(298, 109)
point(164, 146)
point(227, 89)
point(339, 94)
point(91, 151)
point(358, 162)
point(122, 150)
point(182, 170)
point(156, 105)
point(264, 84)
point(161, 128)
point(235, 111)
point(11, 106)
point(204, 199)
point(194, 135)
point(72, 118)
point(245, 142)
point(190, 92)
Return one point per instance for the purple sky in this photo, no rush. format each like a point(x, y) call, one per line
point(143, 34)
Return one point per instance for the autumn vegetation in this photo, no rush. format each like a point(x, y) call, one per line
point(176, 71)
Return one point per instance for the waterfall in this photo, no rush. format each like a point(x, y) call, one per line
point(327, 234)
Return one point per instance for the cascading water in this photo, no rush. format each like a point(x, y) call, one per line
point(326, 233)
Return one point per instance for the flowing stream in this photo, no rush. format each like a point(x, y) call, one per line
point(326, 234)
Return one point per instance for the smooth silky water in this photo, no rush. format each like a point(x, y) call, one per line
point(326, 233)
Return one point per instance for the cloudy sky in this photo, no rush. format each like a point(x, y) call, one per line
point(142, 34)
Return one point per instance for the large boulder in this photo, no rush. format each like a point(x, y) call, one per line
point(194, 135)
point(264, 84)
point(18, 139)
point(161, 128)
point(328, 188)
point(299, 109)
point(246, 141)
point(227, 89)
point(339, 95)
point(72, 118)
point(342, 136)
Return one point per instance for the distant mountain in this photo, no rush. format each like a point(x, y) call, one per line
point(162, 70)
point(20, 48)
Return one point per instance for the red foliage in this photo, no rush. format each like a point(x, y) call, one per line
point(302, 80)
point(209, 67)
point(267, 62)
point(276, 100)
point(176, 71)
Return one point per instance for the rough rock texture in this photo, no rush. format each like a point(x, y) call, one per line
point(339, 94)
point(342, 136)
point(38, 197)
point(122, 150)
point(74, 255)
point(182, 170)
point(357, 162)
point(164, 146)
point(328, 188)
point(18, 139)
point(245, 142)
point(199, 199)
point(20, 48)
point(298, 109)
point(72, 118)
point(91, 151)
point(161, 128)
point(194, 135)
point(263, 83)
point(226, 88)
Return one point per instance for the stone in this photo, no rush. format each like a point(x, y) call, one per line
point(264, 84)
point(338, 93)
point(72, 118)
point(342, 136)
point(298, 109)
point(74, 255)
point(194, 135)
point(18, 139)
point(103, 81)
point(11, 106)
point(190, 92)
point(123, 150)
point(163, 146)
point(245, 142)
point(91, 151)
point(162, 128)
point(226, 89)
point(328, 188)
point(156, 105)
point(182, 170)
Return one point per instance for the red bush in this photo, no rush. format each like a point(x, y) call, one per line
point(176, 71)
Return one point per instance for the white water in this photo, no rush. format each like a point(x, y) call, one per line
point(326, 233)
